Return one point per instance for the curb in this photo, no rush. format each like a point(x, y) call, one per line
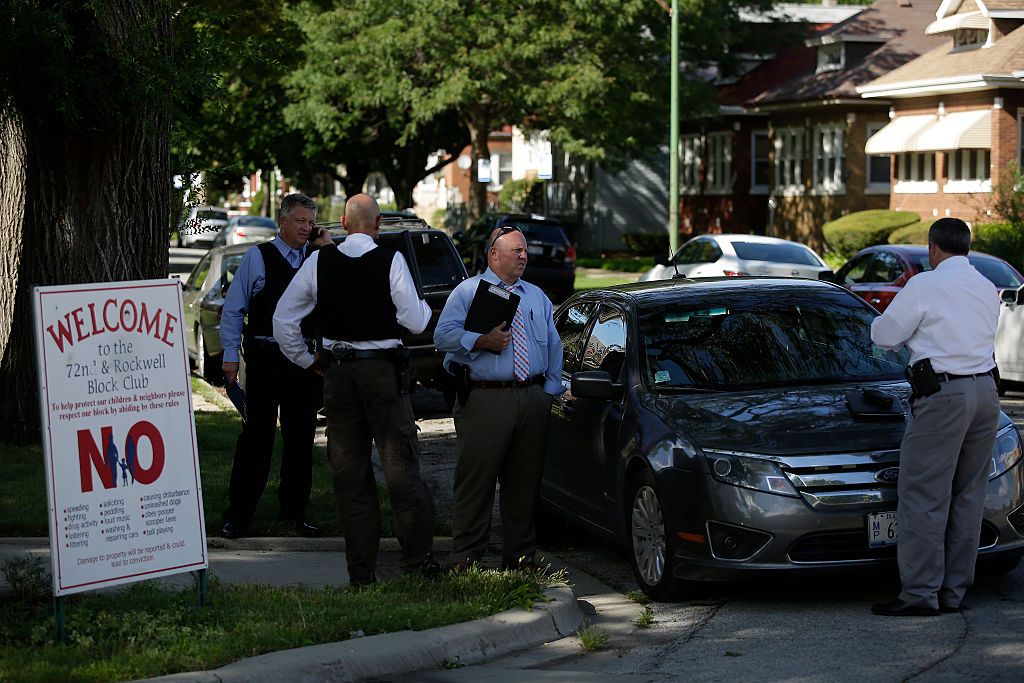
point(405, 652)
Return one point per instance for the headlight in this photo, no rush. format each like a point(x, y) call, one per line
point(749, 473)
point(1006, 453)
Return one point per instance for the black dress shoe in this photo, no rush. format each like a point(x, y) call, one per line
point(232, 530)
point(950, 609)
point(307, 530)
point(899, 608)
point(428, 568)
point(360, 581)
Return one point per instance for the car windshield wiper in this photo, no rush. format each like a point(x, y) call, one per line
point(692, 388)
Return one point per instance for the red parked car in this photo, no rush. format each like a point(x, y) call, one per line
point(877, 273)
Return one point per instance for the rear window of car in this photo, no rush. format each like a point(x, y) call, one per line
point(437, 263)
point(763, 338)
point(211, 213)
point(257, 222)
point(777, 253)
point(996, 272)
point(543, 232)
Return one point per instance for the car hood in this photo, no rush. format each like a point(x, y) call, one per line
point(789, 420)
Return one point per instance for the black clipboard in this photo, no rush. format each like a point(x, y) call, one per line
point(491, 305)
point(237, 396)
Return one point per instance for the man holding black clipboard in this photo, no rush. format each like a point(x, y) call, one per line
point(501, 344)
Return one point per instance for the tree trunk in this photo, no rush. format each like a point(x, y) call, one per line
point(479, 131)
point(354, 179)
point(78, 206)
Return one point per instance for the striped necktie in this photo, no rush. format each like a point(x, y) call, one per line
point(520, 351)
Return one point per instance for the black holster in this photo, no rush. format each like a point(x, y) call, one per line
point(403, 369)
point(462, 385)
point(922, 379)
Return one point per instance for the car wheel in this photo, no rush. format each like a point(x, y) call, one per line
point(650, 544)
point(206, 365)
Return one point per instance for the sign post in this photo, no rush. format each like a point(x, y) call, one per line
point(119, 436)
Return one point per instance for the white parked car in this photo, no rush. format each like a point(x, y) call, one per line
point(202, 225)
point(246, 229)
point(724, 255)
point(1010, 337)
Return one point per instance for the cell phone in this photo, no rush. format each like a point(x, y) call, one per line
point(314, 234)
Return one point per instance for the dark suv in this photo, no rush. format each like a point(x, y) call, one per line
point(552, 259)
point(437, 269)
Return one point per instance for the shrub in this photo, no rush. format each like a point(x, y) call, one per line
point(999, 239)
point(851, 233)
point(646, 244)
point(514, 193)
point(915, 233)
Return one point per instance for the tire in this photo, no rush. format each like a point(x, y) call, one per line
point(207, 366)
point(651, 548)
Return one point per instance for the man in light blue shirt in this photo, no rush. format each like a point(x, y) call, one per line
point(513, 372)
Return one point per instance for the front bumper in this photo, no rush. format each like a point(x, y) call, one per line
point(779, 534)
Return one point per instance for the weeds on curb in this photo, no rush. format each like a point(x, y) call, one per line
point(592, 638)
point(646, 617)
point(638, 597)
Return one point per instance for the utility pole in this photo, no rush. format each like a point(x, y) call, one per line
point(673, 166)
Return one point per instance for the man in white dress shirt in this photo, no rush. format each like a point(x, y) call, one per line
point(948, 316)
point(365, 296)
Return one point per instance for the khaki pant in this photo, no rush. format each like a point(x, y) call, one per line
point(502, 434)
point(362, 402)
point(944, 463)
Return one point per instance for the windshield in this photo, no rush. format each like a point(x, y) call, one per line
point(749, 338)
point(257, 222)
point(996, 272)
point(544, 232)
point(778, 253)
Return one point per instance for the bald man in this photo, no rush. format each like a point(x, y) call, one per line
point(366, 296)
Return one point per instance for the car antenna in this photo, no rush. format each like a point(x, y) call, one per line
point(675, 266)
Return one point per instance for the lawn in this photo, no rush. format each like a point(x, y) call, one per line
point(146, 630)
point(584, 281)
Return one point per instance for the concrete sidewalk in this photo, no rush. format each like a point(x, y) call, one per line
point(321, 562)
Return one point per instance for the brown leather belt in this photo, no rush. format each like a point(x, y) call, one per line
point(514, 384)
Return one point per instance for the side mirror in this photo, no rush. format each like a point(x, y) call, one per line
point(224, 284)
point(827, 276)
point(1009, 296)
point(662, 261)
point(595, 384)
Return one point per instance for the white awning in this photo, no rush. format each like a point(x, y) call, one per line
point(900, 135)
point(958, 130)
point(955, 21)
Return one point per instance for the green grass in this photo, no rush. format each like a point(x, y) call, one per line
point(592, 638)
point(646, 617)
point(146, 630)
point(631, 264)
point(587, 282)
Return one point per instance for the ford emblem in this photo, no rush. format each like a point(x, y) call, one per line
point(890, 475)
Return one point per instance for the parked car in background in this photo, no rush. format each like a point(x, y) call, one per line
point(737, 255)
point(203, 299)
point(436, 268)
point(551, 262)
point(247, 230)
point(738, 427)
point(877, 273)
point(201, 225)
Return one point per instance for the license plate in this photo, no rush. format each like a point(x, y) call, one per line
point(535, 249)
point(881, 529)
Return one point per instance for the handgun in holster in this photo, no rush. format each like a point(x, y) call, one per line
point(462, 385)
point(922, 378)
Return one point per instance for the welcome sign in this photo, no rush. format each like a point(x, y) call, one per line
point(119, 437)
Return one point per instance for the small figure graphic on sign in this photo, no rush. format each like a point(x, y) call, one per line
point(130, 453)
point(112, 461)
point(124, 471)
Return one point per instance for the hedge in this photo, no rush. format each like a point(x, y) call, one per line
point(915, 233)
point(1000, 239)
point(851, 233)
point(646, 244)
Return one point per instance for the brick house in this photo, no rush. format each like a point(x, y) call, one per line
point(956, 111)
point(818, 124)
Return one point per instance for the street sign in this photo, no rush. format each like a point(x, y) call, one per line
point(546, 166)
point(119, 435)
point(483, 170)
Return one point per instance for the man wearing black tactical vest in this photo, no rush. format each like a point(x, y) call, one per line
point(365, 295)
point(273, 383)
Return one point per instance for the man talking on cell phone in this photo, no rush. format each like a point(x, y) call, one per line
point(273, 383)
point(947, 317)
point(508, 377)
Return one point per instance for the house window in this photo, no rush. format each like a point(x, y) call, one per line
point(789, 156)
point(968, 170)
point(501, 170)
point(878, 166)
point(915, 172)
point(830, 57)
point(690, 168)
point(828, 158)
point(969, 37)
point(759, 162)
point(719, 162)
